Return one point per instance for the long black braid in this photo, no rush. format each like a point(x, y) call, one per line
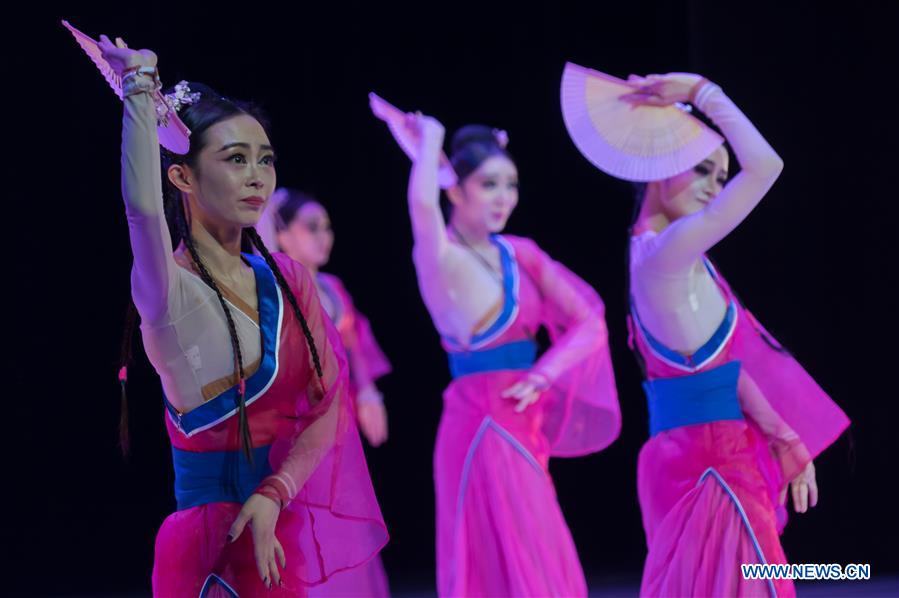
point(267, 256)
point(246, 440)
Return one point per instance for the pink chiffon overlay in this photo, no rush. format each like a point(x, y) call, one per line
point(331, 522)
point(500, 531)
point(709, 492)
point(367, 364)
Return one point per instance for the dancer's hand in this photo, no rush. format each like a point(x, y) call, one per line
point(261, 513)
point(426, 131)
point(804, 489)
point(661, 90)
point(528, 391)
point(372, 415)
point(121, 57)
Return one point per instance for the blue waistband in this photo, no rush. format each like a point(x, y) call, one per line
point(217, 476)
point(517, 355)
point(695, 399)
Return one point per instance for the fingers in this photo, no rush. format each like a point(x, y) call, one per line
point(513, 391)
point(270, 560)
point(813, 491)
point(238, 526)
point(644, 98)
point(263, 557)
point(274, 573)
point(120, 43)
point(373, 422)
point(377, 434)
point(279, 552)
point(800, 497)
point(526, 393)
point(527, 401)
point(266, 558)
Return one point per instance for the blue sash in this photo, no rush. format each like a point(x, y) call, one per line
point(517, 355)
point(217, 476)
point(695, 399)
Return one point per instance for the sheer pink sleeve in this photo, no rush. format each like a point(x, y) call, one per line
point(320, 474)
point(688, 238)
point(367, 360)
point(787, 448)
point(583, 414)
point(154, 274)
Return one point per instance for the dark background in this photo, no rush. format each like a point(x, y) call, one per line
point(815, 261)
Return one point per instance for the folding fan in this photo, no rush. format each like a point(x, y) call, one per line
point(635, 143)
point(407, 138)
point(173, 133)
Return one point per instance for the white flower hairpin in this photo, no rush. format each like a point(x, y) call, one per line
point(182, 96)
point(501, 137)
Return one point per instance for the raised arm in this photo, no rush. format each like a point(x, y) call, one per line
point(687, 238)
point(428, 225)
point(154, 272)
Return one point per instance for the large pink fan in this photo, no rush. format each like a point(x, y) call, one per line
point(407, 138)
point(173, 133)
point(635, 143)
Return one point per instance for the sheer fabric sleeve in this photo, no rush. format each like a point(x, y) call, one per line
point(154, 275)
point(685, 240)
point(319, 472)
point(582, 414)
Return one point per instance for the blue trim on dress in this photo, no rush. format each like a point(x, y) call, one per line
point(711, 471)
point(225, 405)
point(511, 281)
point(213, 578)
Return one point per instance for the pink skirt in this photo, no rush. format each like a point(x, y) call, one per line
point(368, 580)
point(193, 553)
point(706, 510)
point(500, 531)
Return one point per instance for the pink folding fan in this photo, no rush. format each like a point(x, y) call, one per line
point(396, 122)
point(173, 133)
point(635, 143)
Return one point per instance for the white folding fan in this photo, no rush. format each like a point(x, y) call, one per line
point(173, 133)
point(635, 143)
point(396, 122)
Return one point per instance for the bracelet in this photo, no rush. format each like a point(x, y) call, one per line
point(701, 93)
point(695, 90)
point(540, 381)
point(140, 79)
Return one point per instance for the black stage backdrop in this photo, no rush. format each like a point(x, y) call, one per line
point(815, 260)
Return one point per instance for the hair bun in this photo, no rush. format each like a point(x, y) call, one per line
point(474, 134)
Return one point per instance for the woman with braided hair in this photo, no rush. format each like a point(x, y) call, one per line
point(255, 388)
point(500, 531)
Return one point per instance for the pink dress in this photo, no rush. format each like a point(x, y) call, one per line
point(307, 454)
point(500, 531)
point(733, 417)
point(367, 364)
point(709, 486)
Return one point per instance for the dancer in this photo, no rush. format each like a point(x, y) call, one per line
point(299, 225)
point(734, 419)
point(272, 489)
point(500, 531)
